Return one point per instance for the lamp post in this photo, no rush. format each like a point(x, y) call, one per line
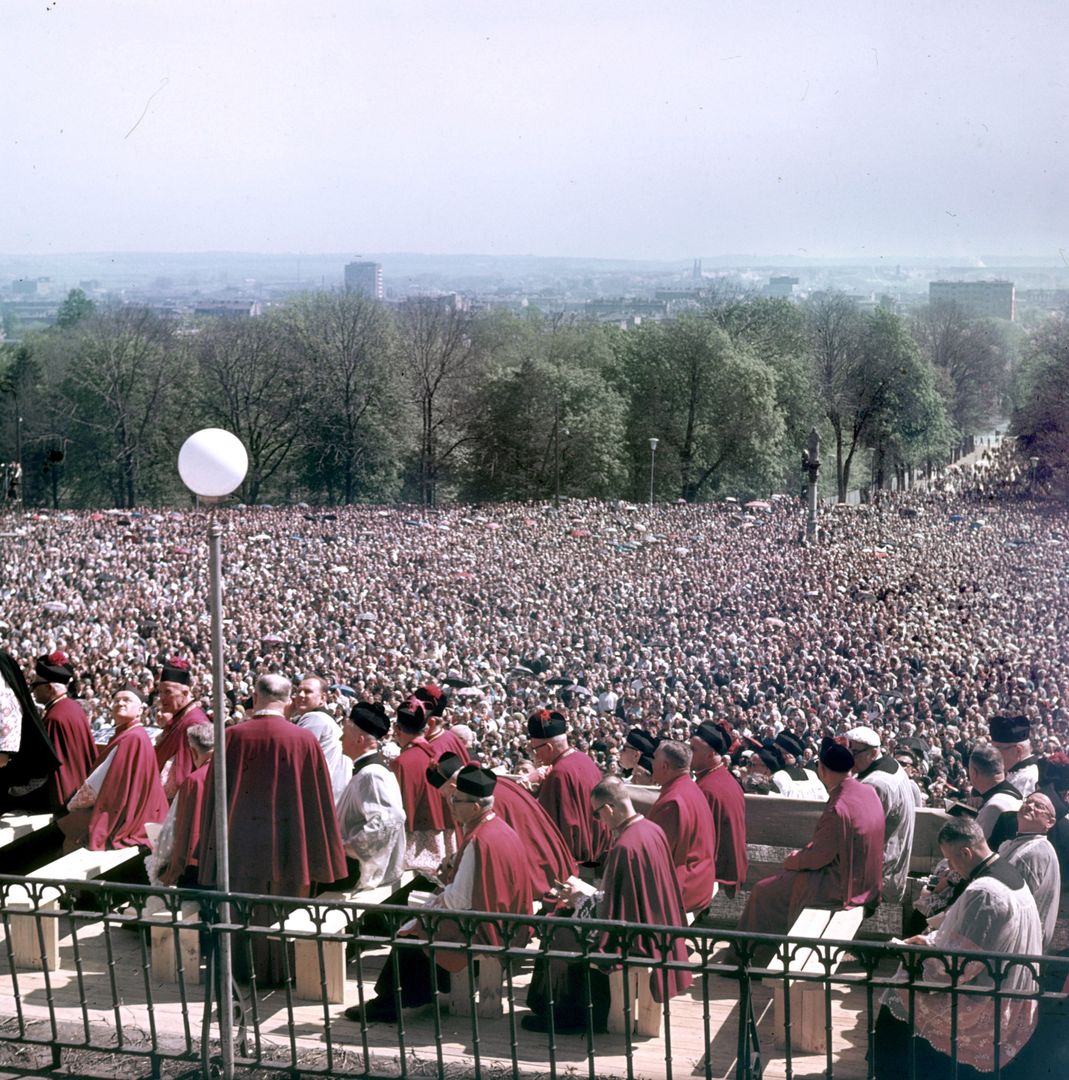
point(811, 466)
point(653, 457)
point(1034, 462)
point(212, 464)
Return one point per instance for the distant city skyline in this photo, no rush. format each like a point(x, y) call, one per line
point(605, 129)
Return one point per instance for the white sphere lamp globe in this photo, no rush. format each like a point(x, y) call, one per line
point(212, 463)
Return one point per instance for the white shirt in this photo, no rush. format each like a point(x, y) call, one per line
point(371, 818)
point(1034, 858)
point(326, 730)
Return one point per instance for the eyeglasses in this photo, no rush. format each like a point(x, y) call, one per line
point(536, 745)
point(594, 811)
point(456, 801)
point(860, 749)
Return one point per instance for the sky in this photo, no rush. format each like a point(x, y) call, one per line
point(655, 129)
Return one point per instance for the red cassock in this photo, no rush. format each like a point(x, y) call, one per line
point(548, 857)
point(444, 741)
point(189, 805)
point(565, 796)
point(640, 886)
point(501, 882)
point(173, 743)
point(282, 827)
point(130, 795)
point(841, 867)
point(422, 803)
point(72, 739)
point(728, 804)
point(684, 816)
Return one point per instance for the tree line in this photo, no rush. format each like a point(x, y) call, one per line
point(340, 399)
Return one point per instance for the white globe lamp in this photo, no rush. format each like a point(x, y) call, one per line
point(212, 463)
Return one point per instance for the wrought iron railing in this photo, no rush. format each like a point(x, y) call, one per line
point(134, 976)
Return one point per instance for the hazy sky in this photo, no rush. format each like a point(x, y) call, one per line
point(628, 129)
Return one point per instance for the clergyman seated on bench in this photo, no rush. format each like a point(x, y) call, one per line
point(492, 875)
point(123, 791)
point(841, 867)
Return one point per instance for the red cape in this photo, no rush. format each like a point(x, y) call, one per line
point(72, 739)
point(422, 803)
point(548, 857)
point(189, 805)
point(565, 796)
point(684, 815)
point(130, 795)
point(841, 867)
point(640, 886)
point(728, 804)
point(281, 821)
point(173, 743)
point(445, 741)
point(502, 882)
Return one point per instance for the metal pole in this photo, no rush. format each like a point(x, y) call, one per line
point(222, 850)
point(556, 457)
point(811, 464)
point(653, 458)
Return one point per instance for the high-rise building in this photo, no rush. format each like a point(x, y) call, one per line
point(781, 287)
point(364, 277)
point(991, 299)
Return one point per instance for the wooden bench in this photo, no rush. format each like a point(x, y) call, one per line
point(808, 999)
point(15, 826)
point(311, 980)
point(172, 944)
point(776, 826)
point(633, 985)
point(484, 991)
point(38, 949)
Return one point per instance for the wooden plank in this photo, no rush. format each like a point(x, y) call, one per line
point(486, 995)
point(169, 943)
point(646, 1014)
point(811, 923)
point(83, 864)
point(15, 826)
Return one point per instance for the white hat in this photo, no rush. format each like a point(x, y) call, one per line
point(864, 736)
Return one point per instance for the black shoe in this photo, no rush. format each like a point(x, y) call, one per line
point(376, 1010)
point(533, 1022)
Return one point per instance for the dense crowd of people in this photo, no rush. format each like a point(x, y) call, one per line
point(455, 693)
point(920, 618)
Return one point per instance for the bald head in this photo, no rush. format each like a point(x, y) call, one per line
point(1037, 814)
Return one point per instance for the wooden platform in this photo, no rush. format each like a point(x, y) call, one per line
point(692, 1036)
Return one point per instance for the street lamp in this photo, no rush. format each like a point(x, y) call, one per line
point(212, 464)
point(811, 466)
point(653, 458)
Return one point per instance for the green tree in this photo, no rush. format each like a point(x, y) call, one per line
point(1041, 416)
point(76, 307)
point(354, 432)
point(118, 386)
point(776, 331)
point(547, 419)
point(908, 423)
point(972, 360)
point(441, 364)
point(249, 384)
point(710, 401)
point(872, 384)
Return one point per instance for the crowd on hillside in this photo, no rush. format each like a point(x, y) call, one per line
point(921, 617)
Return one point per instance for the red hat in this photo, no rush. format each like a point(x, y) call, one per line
point(54, 668)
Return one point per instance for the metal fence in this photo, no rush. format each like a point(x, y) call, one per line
point(128, 970)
